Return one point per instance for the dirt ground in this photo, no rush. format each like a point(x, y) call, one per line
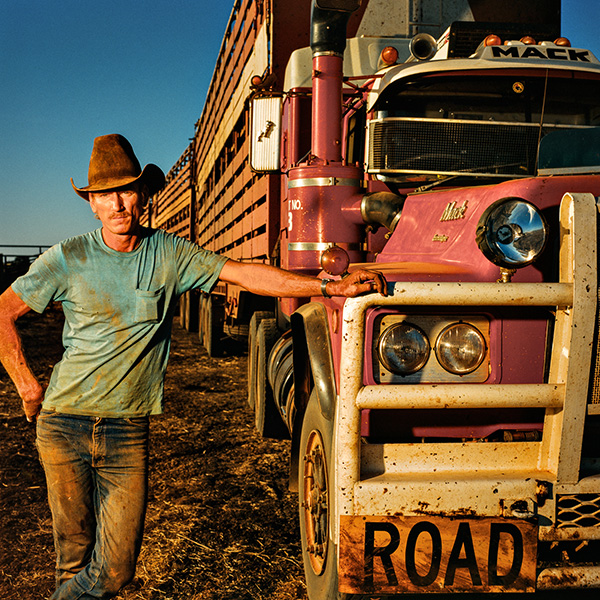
point(221, 524)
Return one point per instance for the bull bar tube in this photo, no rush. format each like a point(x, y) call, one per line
point(408, 470)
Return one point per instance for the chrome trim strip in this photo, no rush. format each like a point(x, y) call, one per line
point(479, 122)
point(320, 246)
point(571, 170)
point(323, 182)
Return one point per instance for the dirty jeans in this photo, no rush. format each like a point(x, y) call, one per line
point(97, 476)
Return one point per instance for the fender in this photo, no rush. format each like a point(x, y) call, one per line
point(313, 360)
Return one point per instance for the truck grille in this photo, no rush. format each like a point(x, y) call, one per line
point(402, 145)
point(578, 510)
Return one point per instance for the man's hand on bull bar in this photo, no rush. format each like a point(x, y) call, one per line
point(358, 282)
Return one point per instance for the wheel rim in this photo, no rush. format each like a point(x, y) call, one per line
point(315, 502)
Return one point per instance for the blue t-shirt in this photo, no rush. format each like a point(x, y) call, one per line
point(118, 311)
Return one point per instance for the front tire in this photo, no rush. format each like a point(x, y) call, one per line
point(316, 499)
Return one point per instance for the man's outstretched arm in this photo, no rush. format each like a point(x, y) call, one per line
point(270, 281)
point(12, 356)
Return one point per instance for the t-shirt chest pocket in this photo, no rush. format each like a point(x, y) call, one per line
point(149, 305)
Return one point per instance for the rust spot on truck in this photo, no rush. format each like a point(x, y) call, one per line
point(561, 580)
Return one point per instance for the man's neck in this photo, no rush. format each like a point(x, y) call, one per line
point(121, 243)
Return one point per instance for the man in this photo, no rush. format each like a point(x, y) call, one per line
point(119, 287)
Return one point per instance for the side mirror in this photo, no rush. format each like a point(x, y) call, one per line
point(265, 128)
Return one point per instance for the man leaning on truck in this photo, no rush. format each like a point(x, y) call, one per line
point(119, 286)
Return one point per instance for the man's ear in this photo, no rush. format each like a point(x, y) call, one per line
point(145, 191)
point(92, 202)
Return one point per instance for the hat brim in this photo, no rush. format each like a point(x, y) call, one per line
point(152, 176)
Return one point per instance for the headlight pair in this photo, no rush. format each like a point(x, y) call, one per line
point(404, 348)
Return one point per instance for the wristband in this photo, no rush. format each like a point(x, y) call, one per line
point(324, 283)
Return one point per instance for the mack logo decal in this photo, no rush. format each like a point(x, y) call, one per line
point(453, 212)
point(544, 52)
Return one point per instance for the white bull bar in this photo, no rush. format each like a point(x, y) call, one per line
point(556, 458)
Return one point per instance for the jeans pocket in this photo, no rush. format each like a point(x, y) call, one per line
point(141, 422)
point(148, 305)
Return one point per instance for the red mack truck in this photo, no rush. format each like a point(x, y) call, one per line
point(443, 438)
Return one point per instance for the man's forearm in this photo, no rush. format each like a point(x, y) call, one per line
point(267, 280)
point(14, 361)
point(12, 355)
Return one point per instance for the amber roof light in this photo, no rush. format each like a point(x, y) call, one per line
point(562, 41)
point(492, 40)
point(389, 55)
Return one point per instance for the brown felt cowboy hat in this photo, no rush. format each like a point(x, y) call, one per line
point(113, 164)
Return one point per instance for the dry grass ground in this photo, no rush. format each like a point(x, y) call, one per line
point(221, 524)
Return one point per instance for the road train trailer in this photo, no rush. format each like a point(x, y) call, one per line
point(443, 438)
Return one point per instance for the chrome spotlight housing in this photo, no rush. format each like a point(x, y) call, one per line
point(512, 233)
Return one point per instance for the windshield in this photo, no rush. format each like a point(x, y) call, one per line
point(484, 124)
point(497, 96)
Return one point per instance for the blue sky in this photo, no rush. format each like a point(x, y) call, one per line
point(74, 69)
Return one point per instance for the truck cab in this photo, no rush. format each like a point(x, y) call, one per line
point(443, 435)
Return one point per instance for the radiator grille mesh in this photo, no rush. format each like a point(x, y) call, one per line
point(409, 145)
point(578, 510)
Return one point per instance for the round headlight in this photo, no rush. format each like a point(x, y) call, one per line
point(512, 233)
point(460, 348)
point(403, 349)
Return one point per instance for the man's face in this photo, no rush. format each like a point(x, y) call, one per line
point(120, 209)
